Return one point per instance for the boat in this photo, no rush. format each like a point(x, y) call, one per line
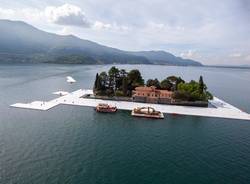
point(147, 112)
point(61, 93)
point(70, 80)
point(102, 107)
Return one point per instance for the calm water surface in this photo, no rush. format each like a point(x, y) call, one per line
point(75, 145)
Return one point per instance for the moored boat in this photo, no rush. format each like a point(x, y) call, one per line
point(147, 112)
point(106, 108)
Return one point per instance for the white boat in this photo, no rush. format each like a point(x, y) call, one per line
point(147, 112)
point(70, 79)
point(61, 93)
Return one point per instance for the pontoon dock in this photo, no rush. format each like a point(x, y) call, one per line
point(218, 109)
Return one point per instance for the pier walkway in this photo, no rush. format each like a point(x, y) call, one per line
point(218, 109)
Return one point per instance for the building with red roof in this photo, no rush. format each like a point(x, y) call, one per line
point(152, 95)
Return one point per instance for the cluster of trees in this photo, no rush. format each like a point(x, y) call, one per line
point(121, 83)
point(117, 82)
point(191, 91)
point(170, 83)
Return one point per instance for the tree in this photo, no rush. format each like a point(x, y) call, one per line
point(154, 82)
point(191, 92)
point(113, 71)
point(95, 84)
point(202, 86)
point(119, 78)
point(99, 86)
point(125, 86)
point(103, 79)
point(113, 76)
point(149, 82)
point(135, 78)
point(166, 84)
point(175, 81)
point(123, 73)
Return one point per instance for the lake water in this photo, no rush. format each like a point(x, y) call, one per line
point(69, 144)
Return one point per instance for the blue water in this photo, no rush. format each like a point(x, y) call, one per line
point(69, 144)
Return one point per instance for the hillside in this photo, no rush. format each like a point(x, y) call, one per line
point(162, 57)
point(21, 42)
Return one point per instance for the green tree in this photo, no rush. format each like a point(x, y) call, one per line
point(95, 84)
point(191, 92)
point(153, 82)
point(99, 86)
point(104, 80)
point(135, 78)
point(119, 80)
point(175, 81)
point(166, 84)
point(125, 86)
point(123, 73)
point(113, 77)
point(202, 86)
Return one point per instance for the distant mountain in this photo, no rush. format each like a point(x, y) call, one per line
point(21, 42)
point(162, 57)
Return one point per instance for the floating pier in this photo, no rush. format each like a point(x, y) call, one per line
point(218, 109)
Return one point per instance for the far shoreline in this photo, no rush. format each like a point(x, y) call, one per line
point(111, 64)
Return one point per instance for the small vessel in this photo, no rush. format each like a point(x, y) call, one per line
point(105, 108)
point(147, 112)
point(61, 93)
point(70, 79)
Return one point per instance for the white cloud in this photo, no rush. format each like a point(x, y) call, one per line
point(235, 55)
point(190, 54)
point(158, 26)
point(71, 15)
point(67, 14)
point(65, 31)
point(100, 25)
point(247, 58)
point(6, 13)
point(26, 14)
point(97, 25)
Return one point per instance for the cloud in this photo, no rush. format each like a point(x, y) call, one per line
point(71, 15)
point(190, 54)
point(100, 25)
point(67, 14)
point(235, 55)
point(247, 58)
point(29, 15)
point(5, 13)
point(240, 56)
point(66, 30)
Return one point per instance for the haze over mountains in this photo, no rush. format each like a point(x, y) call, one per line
point(23, 43)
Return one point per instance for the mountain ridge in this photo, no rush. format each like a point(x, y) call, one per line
point(23, 43)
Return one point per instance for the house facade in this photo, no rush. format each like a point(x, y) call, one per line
point(152, 95)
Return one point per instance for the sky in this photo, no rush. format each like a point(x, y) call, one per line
point(214, 32)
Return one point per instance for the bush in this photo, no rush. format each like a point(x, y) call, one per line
point(109, 92)
point(119, 93)
point(191, 92)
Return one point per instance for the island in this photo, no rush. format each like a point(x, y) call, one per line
point(118, 84)
point(121, 90)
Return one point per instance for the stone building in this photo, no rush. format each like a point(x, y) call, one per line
point(152, 95)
